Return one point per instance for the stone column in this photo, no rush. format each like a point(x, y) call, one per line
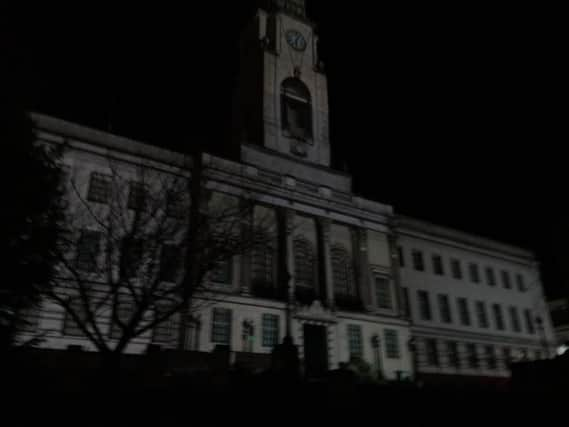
point(324, 228)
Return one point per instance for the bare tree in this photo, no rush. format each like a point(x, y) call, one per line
point(140, 247)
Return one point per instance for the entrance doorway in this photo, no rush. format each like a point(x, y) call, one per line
point(315, 350)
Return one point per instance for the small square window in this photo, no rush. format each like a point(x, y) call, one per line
point(99, 188)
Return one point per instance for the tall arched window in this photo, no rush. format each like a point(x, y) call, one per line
point(304, 263)
point(342, 270)
point(264, 260)
point(296, 109)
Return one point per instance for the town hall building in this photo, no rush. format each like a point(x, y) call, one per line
point(344, 276)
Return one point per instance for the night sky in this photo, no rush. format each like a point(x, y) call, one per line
point(454, 115)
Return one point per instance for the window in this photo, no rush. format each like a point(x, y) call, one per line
point(490, 277)
point(424, 305)
point(383, 293)
point(99, 188)
point(221, 326)
point(124, 310)
point(342, 270)
point(529, 322)
point(70, 327)
point(452, 354)
point(463, 311)
point(418, 262)
point(481, 314)
point(538, 355)
point(271, 334)
point(170, 261)
point(456, 268)
point(438, 265)
point(515, 320)
point(490, 357)
point(222, 272)
point(444, 308)
point(506, 279)
point(137, 196)
point(401, 257)
point(391, 344)
point(296, 109)
point(474, 273)
point(355, 341)
point(473, 361)
point(132, 257)
point(175, 206)
point(88, 251)
point(165, 332)
point(521, 283)
point(432, 352)
point(406, 302)
point(304, 263)
point(498, 317)
point(263, 262)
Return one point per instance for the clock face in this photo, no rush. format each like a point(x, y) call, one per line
point(296, 40)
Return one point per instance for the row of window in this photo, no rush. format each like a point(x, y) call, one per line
point(135, 255)
point(464, 316)
point(101, 191)
point(356, 342)
point(470, 357)
point(456, 270)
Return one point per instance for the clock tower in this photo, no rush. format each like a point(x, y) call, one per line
point(281, 104)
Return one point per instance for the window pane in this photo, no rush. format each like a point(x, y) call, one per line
point(456, 269)
point(418, 263)
point(432, 352)
point(99, 188)
point(383, 293)
point(355, 342)
point(474, 273)
point(444, 308)
point(270, 330)
point(221, 327)
point(490, 277)
point(438, 265)
point(463, 311)
point(424, 305)
point(342, 271)
point(391, 344)
point(88, 250)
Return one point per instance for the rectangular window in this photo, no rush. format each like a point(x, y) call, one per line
point(132, 258)
point(456, 268)
point(444, 307)
point(401, 257)
point(474, 273)
point(99, 188)
point(125, 309)
point(383, 293)
point(70, 327)
point(271, 335)
point(424, 305)
point(432, 352)
point(506, 279)
point(406, 302)
point(166, 332)
point(222, 273)
point(521, 283)
point(170, 261)
point(418, 262)
point(452, 354)
point(498, 316)
point(463, 311)
point(481, 314)
point(175, 206)
point(490, 277)
point(137, 196)
point(391, 344)
point(473, 361)
point(490, 357)
point(438, 265)
point(221, 326)
point(355, 341)
point(529, 322)
point(88, 248)
point(515, 319)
